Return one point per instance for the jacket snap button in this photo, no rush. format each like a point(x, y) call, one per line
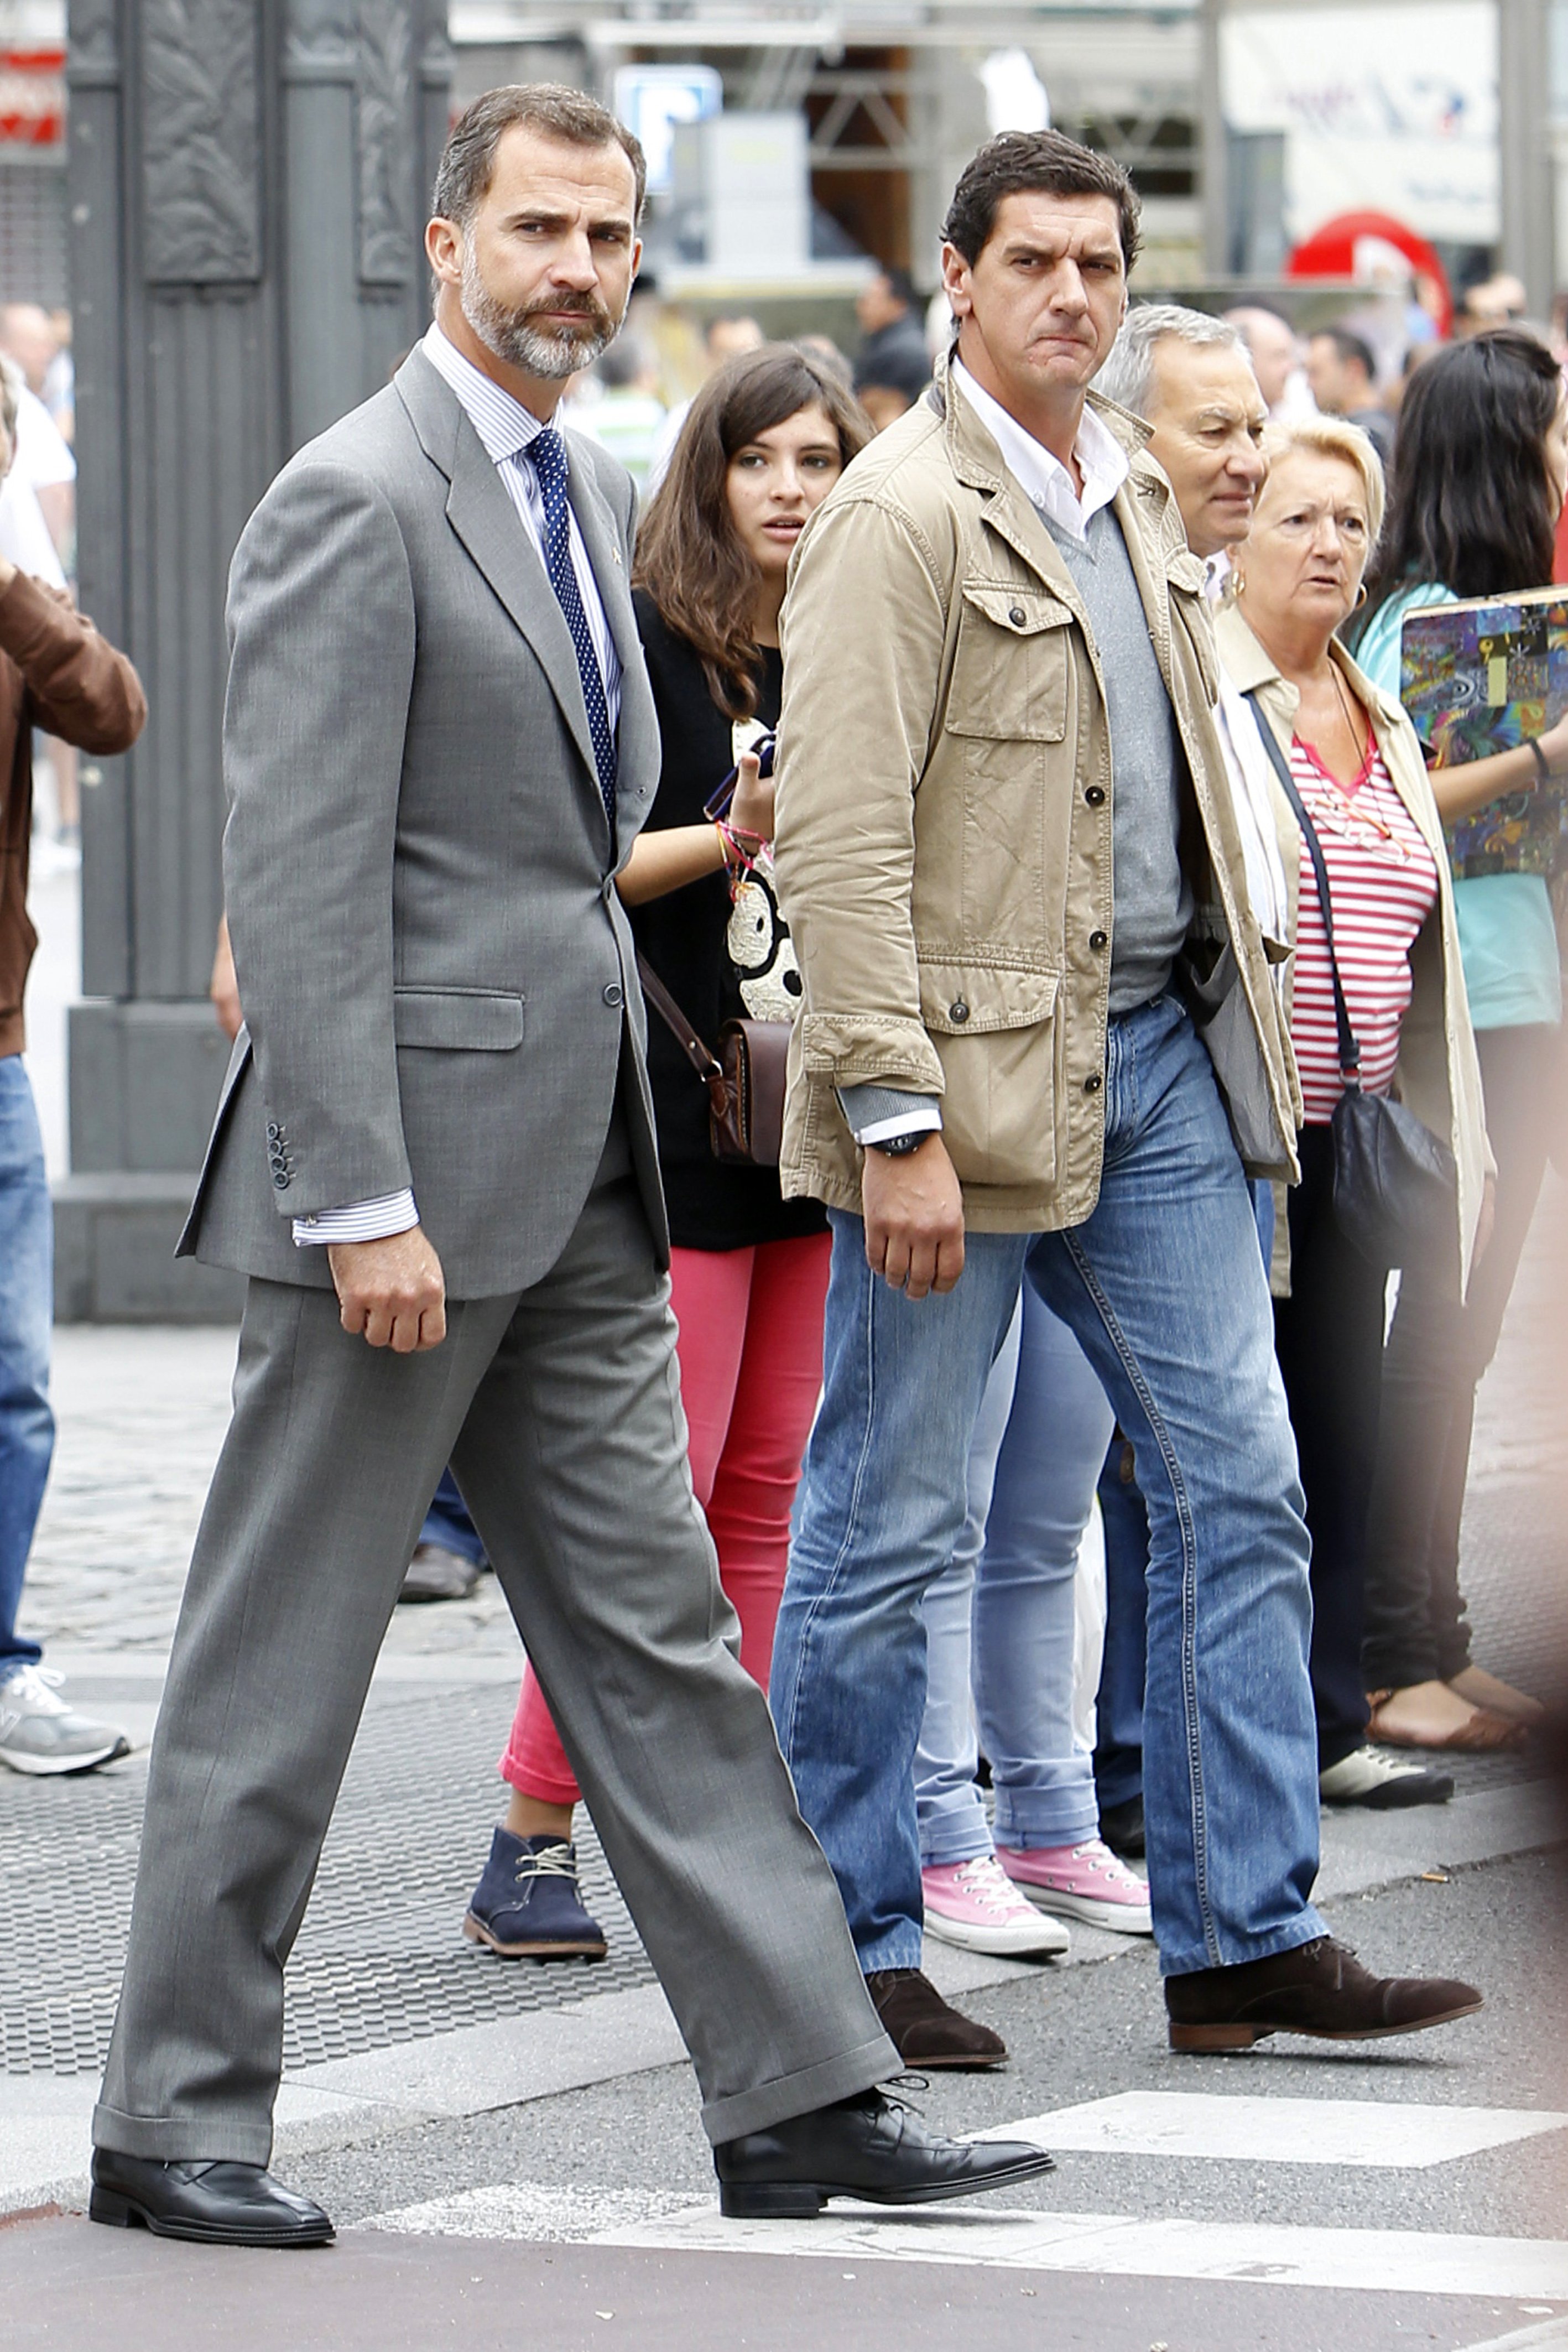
point(614, 993)
point(1097, 939)
point(1017, 616)
point(957, 1010)
point(1096, 795)
point(1092, 1083)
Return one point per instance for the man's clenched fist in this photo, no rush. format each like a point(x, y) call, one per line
point(913, 1219)
point(392, 1291)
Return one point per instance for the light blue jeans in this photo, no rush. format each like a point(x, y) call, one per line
point(1164, 1289)
point(1000, 1620)
point(27, 1311)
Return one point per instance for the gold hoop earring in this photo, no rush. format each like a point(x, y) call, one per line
point(1360, 598)
point(1239, 582)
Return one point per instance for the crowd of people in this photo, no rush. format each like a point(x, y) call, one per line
point(996, 1397)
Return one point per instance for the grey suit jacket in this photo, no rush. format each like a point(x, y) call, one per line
point(438, 977)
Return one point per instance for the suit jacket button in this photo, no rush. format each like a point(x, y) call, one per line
point(957, 1010)
point(615, 994)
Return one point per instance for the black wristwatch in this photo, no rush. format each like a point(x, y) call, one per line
point(899, 1146)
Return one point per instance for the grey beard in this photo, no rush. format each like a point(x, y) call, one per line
point(509, 336)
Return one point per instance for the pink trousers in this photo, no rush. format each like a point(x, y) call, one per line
point(750, 1349)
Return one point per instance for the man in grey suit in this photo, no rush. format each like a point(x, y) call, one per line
point(435, 1159)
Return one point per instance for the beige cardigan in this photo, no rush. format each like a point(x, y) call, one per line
point(1438, 1074)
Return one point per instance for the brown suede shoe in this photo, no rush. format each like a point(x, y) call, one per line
point(923, 2028)
point(1320, 1988)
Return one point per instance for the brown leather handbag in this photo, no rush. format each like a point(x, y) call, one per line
point(744, 1079)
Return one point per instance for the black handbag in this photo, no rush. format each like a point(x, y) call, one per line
point(1395, 1186)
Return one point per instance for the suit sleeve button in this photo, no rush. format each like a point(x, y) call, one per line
point(615, 994)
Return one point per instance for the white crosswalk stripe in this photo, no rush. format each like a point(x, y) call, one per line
point(1278, 2130)
point(1166, 2123)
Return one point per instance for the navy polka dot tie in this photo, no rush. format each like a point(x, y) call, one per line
point(547, 451)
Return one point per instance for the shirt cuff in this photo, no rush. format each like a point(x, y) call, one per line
point(876, 1114)
point(361, 1221)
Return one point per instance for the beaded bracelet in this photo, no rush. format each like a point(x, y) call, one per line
point(738, 858)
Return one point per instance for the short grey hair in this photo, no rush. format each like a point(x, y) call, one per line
point(1128, 375)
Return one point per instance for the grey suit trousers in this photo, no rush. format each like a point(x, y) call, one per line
point(560, 1409)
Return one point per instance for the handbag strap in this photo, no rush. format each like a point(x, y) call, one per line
point(699, 1056)
point(1349, 1046)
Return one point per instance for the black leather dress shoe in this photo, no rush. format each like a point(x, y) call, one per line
point(867, 2146)
point(218, 2204)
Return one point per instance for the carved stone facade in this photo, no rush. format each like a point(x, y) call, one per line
point(247, 188)
point(201, 141)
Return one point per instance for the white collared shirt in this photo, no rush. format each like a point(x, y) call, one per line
point(506, 427)
point(1043, 478)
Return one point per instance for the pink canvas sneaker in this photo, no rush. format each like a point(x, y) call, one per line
point(971, 1903)
point(1082, 1882)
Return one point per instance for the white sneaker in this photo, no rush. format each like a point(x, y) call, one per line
point(972, 1903)
point(1371, 1777)
point(39, 1733)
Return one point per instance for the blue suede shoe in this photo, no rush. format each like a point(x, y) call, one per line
point(526, 1906)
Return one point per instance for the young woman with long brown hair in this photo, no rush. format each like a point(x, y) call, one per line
point(765, 440)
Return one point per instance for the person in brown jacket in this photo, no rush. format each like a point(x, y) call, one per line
point(56, 673)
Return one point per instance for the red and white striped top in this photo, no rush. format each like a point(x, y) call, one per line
point(1383, 879)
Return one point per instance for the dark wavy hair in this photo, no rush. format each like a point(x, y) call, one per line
point(1470, 503)
point(689, 557)
point(1022, 163)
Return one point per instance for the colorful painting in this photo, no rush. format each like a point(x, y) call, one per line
point(1481, 677)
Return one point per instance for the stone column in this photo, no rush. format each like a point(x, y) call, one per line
point(248, 198)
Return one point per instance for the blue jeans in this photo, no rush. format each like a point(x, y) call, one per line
point(1003, 1626)
point(1164, 1287)
point(1119, 1708)
point(27, 1310)
point(448, 1524)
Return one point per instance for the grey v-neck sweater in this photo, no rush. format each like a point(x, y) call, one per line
point(1152, 901)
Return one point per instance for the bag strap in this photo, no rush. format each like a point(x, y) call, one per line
point(701, 1058)
point(1349, 1046)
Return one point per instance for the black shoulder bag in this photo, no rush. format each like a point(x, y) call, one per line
point(1395, 1187)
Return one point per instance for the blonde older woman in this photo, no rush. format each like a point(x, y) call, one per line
point(1358, 770)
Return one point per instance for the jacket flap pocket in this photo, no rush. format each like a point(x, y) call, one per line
point(1023, 612)
point(966, 1000)
point(1010, 674)
point(468, 1020)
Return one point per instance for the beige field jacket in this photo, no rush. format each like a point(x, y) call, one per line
point(1438, 1074)
point(945, 826)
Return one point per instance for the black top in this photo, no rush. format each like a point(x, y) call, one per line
point(719, 961)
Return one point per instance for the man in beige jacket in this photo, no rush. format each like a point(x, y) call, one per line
point(1039, 1038)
